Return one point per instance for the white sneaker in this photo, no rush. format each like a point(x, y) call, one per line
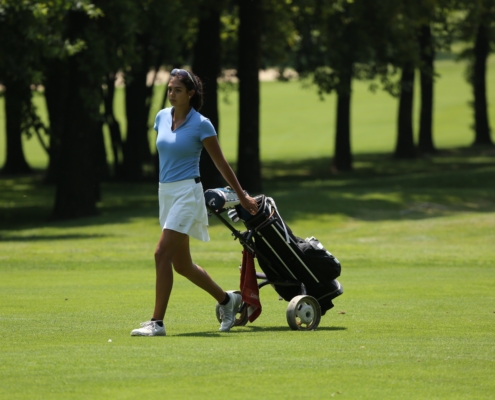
point(149, 328)
point(228, 311)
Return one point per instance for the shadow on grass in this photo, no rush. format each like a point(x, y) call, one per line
point(44, 237)
point(379, 188)
point(252, 328)
point(281, 329)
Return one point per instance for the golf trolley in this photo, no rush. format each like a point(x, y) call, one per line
point(301, 271)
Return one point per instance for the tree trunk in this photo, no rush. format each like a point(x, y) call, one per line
point(136, 147)
point(427, 72)
point(248, 160)
point(405, 136)
point(57, 90)
point(343, 156)
point(481, 123)
point(102, 169)
point(16, 95)
point(108, 95)
point(77, 185)
point(206, 65)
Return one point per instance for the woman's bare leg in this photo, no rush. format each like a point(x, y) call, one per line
point(173, 250)
point(167, 245)
point(183, 264)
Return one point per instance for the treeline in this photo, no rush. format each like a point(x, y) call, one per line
point(75, 49)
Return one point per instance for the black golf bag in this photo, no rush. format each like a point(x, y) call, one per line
point(292, 265)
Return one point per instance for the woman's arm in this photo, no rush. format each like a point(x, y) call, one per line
point(213, 148)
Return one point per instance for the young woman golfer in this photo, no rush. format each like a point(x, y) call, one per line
point(182, 134)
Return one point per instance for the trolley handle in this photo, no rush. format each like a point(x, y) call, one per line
point(245, 238)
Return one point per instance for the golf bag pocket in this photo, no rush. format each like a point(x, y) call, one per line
point(322, 262)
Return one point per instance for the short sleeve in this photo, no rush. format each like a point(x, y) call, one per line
point(157, 121)
point(206, 129)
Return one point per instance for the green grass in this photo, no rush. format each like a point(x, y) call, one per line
point(415, 238)
point(416, 319)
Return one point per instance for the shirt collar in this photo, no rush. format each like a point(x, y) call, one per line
point(191, 112)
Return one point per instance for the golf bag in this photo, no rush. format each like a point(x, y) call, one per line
point(293, 265)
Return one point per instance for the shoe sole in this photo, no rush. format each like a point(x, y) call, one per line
point(228, 329)
point(142, 334)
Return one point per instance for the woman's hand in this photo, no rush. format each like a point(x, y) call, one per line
point(249, 204)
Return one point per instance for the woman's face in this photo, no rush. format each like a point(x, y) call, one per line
point(178, 94)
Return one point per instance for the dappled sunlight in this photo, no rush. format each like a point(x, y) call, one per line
point(379, 188)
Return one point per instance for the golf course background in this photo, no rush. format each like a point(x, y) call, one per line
point(296, 124)
point(416, 240)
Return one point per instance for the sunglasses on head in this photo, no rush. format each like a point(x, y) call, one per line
point(183, 74)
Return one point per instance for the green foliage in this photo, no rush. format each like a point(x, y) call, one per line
point(21, 27)
point(376, 37)
point(279, 36)
point(229, 21)
point(33, 31)
point(163, 30)
point(338, 38)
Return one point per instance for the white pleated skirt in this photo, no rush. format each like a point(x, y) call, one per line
point(183, 209)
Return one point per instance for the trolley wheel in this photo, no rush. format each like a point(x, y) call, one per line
point(241, 317)
point(303, 313)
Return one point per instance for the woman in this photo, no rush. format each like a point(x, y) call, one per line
point(182, 134)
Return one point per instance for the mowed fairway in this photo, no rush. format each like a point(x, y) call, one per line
point(416, 240)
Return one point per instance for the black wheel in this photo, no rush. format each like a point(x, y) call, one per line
point(241, 317)
point(303, 313)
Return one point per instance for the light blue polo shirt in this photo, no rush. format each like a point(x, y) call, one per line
point(179, 150)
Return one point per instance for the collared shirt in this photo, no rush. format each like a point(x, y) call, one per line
point(179, 150)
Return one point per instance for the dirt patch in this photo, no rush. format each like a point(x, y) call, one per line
point(162, 76)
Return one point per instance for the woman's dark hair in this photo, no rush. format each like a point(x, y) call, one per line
point(194, 84)
point(197, 99)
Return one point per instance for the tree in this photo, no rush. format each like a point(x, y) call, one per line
point(248, 155)
point(77, 183)
point(412, 46)
point(108, 94)
point(478, 81)
point(483, 12)
point(434, 33)
point(73, 79)
point(207, 65)
point(405, 135)
point(136, 149)
point(17, 99)
point(427, 70)
point(18, 70)
point(478, 28)
point(341, 40)
point(161, 35)
point(405, 55)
